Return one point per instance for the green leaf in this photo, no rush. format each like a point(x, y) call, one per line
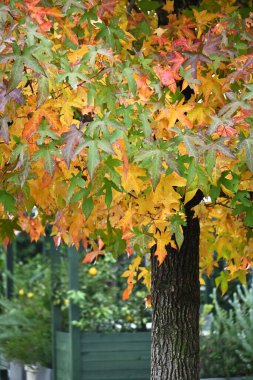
point(76, 181)
point(8, 201)
point(45, 131)
point(191, 172)
point(43, 90)
point(128, 72)
point(16, 74)
point(108, 193)
point(93, 157)
point(190, 146)
point(141, 239)
point(155, 170)
point(214, 193)
point(148, 5)
point(210, 160)
point(247, 144)
point(176, 223)
point(34, 64)
point(145, 124)
point(49, 162)
point(116, 243)
point(105, 145)
point(231, 184)
point(87, 206)
point(222, 281)
point(248, 220)
point(152, 161)
point(8, 228)
point(47, 153)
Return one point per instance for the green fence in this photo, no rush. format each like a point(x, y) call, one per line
point(115, 356)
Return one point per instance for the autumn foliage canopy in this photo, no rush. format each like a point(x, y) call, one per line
point(111, 123)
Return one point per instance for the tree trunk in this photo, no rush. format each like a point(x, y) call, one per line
point(175, 297)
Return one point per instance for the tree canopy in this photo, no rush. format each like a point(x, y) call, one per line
point(112, 122)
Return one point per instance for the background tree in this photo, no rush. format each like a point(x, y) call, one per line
point(116, 124)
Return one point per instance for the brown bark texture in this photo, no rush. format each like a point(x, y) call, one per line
point(175, 297)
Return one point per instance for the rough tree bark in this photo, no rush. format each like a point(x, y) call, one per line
point(175, 297)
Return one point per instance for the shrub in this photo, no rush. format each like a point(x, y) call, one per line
point(25, 320)
point(228, 350)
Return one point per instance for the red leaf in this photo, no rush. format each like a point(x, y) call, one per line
point(107, 6)
point(177, 61)
point(168, 77)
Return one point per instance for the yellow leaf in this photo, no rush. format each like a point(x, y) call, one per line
point(165, 193)
point(132, 181)
point(189, 195)
point(163, 239)
point(174, 112)
point(75, 55)
point(145, 274)
point(203, 18)
point(169, 6)
point(200, 114)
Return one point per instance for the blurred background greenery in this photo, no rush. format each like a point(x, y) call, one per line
point(25, 319)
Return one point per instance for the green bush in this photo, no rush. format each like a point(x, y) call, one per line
point(25, 320)
point(228, 350)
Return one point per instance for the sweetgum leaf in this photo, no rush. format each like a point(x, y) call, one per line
point(247, 145)
point(71, 139)
point(145, 124)
point(4, 129)
point(43, 90)
point(16, 74)
point(148, 5)
point(8, 201)
point(93, 157)
point(34, 64)
point(87, 206)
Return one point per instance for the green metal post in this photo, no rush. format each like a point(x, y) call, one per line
point(9, 263)
point(55, 309)
point(74, 315)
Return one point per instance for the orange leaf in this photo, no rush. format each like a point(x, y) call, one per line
point(90, 257)
point(32, 124)
point(127, 292)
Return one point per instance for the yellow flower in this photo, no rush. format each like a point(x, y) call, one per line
point(66, 302)
point(21, 292)
point(92, 271)
point(30, 295)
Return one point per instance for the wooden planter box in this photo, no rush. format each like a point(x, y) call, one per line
point(118, 356)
